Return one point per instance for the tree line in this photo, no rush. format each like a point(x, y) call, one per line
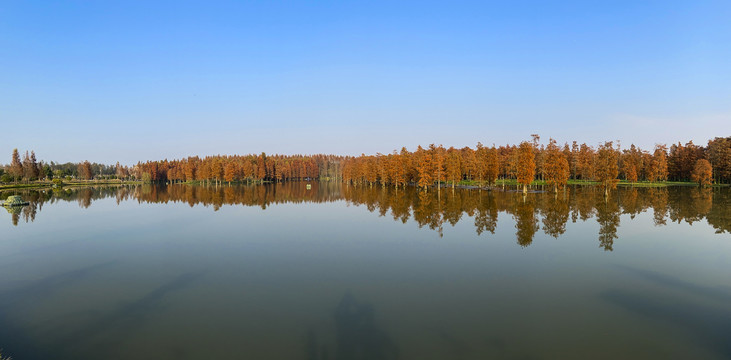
point(525, 163)
point(552, 163)
point(30, 169)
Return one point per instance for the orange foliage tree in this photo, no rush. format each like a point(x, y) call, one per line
point(525, 166)
point(607, 168)
point(702, 172)
point(555, 166)
point(454, 165)
point(423, 167)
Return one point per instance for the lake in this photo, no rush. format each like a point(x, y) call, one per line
point(280, 271)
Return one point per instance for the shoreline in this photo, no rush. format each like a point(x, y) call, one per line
point(43, 185)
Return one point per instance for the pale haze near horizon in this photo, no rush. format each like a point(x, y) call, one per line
point(132, 82)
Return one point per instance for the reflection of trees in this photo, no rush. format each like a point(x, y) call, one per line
point(630, 202)
point(691, 206)
point(526, 222)
point(425, 213)
point(582, 206)
point(429, 209)
point(607, 215)
point(15, 212)
point(555, 212)
point(659, 202)
point(720, 214)
point(486, 215)
point(84, 197)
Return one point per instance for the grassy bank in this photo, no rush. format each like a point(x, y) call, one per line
point(48, 184)
point(513, 182)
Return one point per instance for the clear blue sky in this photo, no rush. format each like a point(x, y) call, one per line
point(139, 80)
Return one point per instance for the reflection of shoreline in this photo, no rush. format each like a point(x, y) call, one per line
point(536, 211)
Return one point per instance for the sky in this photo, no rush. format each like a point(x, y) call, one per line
point(130, 81)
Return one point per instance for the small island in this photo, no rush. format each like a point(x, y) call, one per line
point(15, 200)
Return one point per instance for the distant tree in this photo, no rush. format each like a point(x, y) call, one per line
point(16, 167)
point(630, 172)
point(525, 164)
point(230, 172)
point(30, 168)
point(585, 162)
point(702, 172)
point(719, 155)
point(681, 160)
point(424, 167)
point(398, 168)
point(556, 166)
point(39, 171)
point(659, 165)
point(33, 167)
point(469, 163)
point(454, 165)
point(492, 165)
point(438, 155)
point(574, 159)
point(47, 172)
point(261, 172)
point(607, 168)
point(84, 170)
point(631, 163)
point(481, 161)
point(217, 169)
point(405, 175)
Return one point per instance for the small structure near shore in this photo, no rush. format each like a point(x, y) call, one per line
point(15, 200)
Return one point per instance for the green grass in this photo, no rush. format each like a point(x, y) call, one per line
point(514, 182)
point(244, 182)
point(46, 184)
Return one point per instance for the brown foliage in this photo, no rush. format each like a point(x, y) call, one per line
point(525, 166)
point(702, 172)
point(607, 169)
point(555, 166)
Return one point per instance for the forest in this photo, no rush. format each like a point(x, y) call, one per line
point(530, 161)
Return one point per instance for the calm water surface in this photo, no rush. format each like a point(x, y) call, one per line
point(338, 272)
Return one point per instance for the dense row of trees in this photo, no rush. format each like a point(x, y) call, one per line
point(263, 167)
point(30, 169)
point(548, 212)
point(425, 167)
point(27, 169)
point(554, 164)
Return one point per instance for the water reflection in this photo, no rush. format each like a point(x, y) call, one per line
point(546, 211)
point(710, 322)
point(357, 336)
